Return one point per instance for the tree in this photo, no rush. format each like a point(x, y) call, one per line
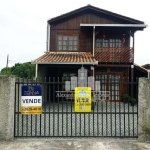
point(25, 70)
point(5, 71)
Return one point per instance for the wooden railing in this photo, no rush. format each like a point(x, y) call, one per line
point(120, 54)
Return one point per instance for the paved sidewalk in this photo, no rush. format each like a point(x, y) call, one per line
point(79, 144)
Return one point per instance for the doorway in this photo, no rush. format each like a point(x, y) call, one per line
point(110, 82)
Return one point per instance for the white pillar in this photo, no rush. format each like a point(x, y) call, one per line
point(93, 39)
point(49, 29)
point(36, 71)
point(131, 41)
point(48, 38)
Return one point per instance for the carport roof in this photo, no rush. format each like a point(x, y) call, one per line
point(66, 58)
point(140, 68)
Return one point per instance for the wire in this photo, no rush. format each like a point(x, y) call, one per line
point(13, 61)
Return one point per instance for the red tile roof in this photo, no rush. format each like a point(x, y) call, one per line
point(66, 58)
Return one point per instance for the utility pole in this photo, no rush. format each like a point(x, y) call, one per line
point(7, 63)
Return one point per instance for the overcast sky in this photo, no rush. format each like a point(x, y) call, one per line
point(23, 25)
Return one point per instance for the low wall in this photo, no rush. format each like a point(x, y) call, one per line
point(144, 109)
point(7, 96)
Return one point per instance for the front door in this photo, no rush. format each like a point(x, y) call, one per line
point(110, 82)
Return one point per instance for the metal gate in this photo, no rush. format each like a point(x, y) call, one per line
point(108, 118)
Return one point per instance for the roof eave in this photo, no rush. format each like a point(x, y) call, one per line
point(67, 63)
point(114, 25)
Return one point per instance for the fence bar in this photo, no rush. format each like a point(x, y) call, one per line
point(97, 117)
point(23, 115)
point(18, 111)
point(53, 107)
point(40, 115)
point(137, 81)
point(71, 113)
point(58, 104)
point(15, 113)
point(44, 101)
point(49, 94)
point(67, 116)
point(115, 101)
point(35, 115)
point(120, 108)
point(62, 110)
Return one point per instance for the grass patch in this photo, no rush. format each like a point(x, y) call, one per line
point(146, 130)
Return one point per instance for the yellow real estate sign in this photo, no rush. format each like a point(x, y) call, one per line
point(82, 99)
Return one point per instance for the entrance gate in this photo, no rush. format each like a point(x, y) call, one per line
point(108, 118)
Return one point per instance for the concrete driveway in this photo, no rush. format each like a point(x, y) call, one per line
point(72, 144)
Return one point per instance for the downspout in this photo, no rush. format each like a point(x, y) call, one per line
point(93, 72)
point(93, 39)
point(49, 29)
point(47, 39)
point(93, 75)
point(132, 79)
point(133, 45)
point(36, 71)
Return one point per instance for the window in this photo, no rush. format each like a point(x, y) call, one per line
point(108, 43)
point(115, 42)
point(67, 43)
point(99, 43)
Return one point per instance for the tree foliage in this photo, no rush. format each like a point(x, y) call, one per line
point(5, 71)
point(25, 70)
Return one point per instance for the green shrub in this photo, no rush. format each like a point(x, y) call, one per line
point(126, 98)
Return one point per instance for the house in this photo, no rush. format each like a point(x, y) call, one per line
point(99, 40)
point(146, 66)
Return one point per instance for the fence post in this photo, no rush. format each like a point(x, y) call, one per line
point(7, 97)
point(144, 109)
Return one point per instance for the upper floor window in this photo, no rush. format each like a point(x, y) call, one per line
point(67, 43)
point(108, 43)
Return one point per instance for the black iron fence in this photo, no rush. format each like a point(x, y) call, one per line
point(111, 115)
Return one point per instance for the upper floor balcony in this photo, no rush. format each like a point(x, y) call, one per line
point(114, 55)
point(109, 51)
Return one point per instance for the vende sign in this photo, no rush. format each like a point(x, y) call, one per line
point(82, 99)
point(31, 99)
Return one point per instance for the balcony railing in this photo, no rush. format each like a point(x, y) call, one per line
point(120, 54)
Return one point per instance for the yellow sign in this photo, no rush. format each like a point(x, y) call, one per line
point(82, 99)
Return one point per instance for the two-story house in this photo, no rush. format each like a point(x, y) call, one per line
point(99, 40)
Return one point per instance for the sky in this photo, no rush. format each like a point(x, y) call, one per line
point(23, 25)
